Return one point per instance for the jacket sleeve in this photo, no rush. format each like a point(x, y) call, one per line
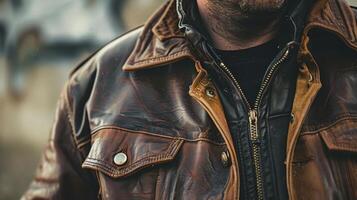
point(59, 174)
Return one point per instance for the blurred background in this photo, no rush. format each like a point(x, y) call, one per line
point(40, 41)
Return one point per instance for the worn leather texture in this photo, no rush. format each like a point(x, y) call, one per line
point(148, 95)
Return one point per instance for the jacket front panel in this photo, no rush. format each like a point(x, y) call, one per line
point(157, 129)
point(325, 155)
point(166, 135)
point(273, 109)
point(274, 118)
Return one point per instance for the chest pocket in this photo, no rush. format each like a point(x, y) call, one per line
point(326, 162)
point(341, 143)
point(128, 163)
point(141, 165)
point(119, 153)
point(341, 138)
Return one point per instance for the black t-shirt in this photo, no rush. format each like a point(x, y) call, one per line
point(249, 66)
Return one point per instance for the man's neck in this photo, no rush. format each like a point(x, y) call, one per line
point(249, 31)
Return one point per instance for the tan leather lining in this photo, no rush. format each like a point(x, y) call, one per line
point(213, 106)
point(306, 91)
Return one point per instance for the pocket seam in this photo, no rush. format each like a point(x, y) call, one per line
point(115, 171)
point(334, 145)
point(97, 130)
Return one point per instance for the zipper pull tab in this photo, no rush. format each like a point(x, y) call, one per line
point(252, 115)
point(253, 122)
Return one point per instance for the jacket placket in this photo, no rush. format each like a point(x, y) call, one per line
point(205, 93)
point(307, 86)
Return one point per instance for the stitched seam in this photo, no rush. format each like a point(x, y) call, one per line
point(163, 58)
point(82, 144)
point(337, 144)
point(318, 126)
point(354, 118)
point(69, 113)
point(279, 115)
point(99, 194)
point(338, 19)
point(167, 151)
point(342, 146)
point(115, 171)
point(348, 42)
point(97, 130)
point(156, 28)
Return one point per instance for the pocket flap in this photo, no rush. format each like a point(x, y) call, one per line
point(341, 137)
point(140, 150)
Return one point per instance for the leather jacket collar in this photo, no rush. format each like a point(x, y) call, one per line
point(163, 42)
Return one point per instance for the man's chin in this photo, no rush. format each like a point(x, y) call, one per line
point(261, 6)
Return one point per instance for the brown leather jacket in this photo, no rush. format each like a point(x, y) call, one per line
point(141, 119)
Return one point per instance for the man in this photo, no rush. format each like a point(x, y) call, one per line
point(213, 99)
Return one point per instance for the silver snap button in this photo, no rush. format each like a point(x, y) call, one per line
point(225, 159)
point(120, 158)
point(311, 78)
point(292, 118)
point(210, 92)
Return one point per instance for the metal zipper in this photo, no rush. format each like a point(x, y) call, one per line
point(253, 117)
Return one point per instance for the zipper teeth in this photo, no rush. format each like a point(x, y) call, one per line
point(253, 118)
point(267, 79)
point(257, 162)
point(236, 83)
point(253, 121)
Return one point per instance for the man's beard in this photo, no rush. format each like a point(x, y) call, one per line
point(263, 6)
point(237, 16)
point(249, 6)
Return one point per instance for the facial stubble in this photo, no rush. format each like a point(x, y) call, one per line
point(244, 18)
